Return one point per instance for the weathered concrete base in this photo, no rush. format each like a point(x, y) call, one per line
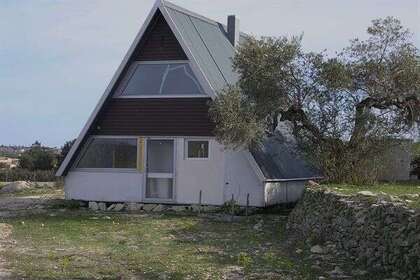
point(153, 207)
point(383, 236)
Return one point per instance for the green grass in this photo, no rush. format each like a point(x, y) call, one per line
point(86, 246)
point(407, 191)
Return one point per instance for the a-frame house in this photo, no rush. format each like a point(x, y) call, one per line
point(150, 138)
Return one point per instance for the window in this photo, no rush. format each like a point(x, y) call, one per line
point(159, 188)
point(160, 156)
point(109, 153)
point(197, 149)
point(161, 79)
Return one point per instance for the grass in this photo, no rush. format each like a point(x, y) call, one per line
point(160, 246)
point(407, 191)
point(38, 190)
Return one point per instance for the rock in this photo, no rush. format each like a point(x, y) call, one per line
point(359, 272)
point(312, 184)
point(299, 251)
point(367, 193)
point(102, 206)
point(210, 208)
point(132, 206)
point(148, 207)
point(258, 226)
point(178, 208)
point(317, 249)
point(337, 271)
point(321, 278)
point(93, 206)
point(15, 187)
point(118, 207)
point(234, 273)
point(197, 208)
point(159, 208)
point(111, 207)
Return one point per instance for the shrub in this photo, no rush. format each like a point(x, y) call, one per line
point(18, 174)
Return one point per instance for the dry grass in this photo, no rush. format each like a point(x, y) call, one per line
point(408, 192)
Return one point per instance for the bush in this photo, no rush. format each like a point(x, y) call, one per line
point(18, 174)
point(38, 158)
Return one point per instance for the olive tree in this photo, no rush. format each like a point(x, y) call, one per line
point(342, 110)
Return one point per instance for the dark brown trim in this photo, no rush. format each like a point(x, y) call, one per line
point(155, 117)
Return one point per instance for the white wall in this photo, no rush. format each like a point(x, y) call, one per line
point(193, 175)
point(224, 173)
point(283, 192)
point(241, 179)
point(104, 186)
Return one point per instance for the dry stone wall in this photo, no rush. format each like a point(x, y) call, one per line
point(380, 235)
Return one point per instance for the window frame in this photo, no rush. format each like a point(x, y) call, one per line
point(126, 79)
point(197, 140)
point(104, 170)
point(173, 175)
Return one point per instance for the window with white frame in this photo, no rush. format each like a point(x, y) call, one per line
point(160, 78)
point(109, 153)
point(197, 149)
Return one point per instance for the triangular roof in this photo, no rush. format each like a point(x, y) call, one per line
point(203, 40)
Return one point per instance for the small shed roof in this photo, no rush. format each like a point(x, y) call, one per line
point(279, 159)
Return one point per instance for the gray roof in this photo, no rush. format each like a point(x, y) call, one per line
point(279, 159)
point(208, 43)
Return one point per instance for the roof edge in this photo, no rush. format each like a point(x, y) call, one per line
point(158, 5)
point(292, 179)
point(64, 165)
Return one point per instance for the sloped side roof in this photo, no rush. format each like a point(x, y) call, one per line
point(280, 160)
point(208, 43)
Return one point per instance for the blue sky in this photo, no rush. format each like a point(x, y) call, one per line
point(57, 57)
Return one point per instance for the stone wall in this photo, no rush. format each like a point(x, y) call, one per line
point(379, 235)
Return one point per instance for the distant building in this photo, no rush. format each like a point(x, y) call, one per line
point(396, 163)
point(8, 163)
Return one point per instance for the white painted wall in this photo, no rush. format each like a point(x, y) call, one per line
point(283, 192)
point(224, 173)
point(193, 175)
point(241, 179)
point(104, 186)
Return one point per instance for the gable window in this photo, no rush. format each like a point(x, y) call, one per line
point(197, 149)
point(109, 153)
point(160, 78)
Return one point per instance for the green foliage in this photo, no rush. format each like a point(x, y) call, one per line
point(64, 150)
point(235, 118)
point(38, 158)
point(342, 110)
point(244, 260)
point(231, 207)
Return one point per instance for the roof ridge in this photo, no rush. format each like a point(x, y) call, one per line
point(180, 9)
point(168, 4)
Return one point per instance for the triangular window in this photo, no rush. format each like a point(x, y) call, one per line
point(160, 79)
